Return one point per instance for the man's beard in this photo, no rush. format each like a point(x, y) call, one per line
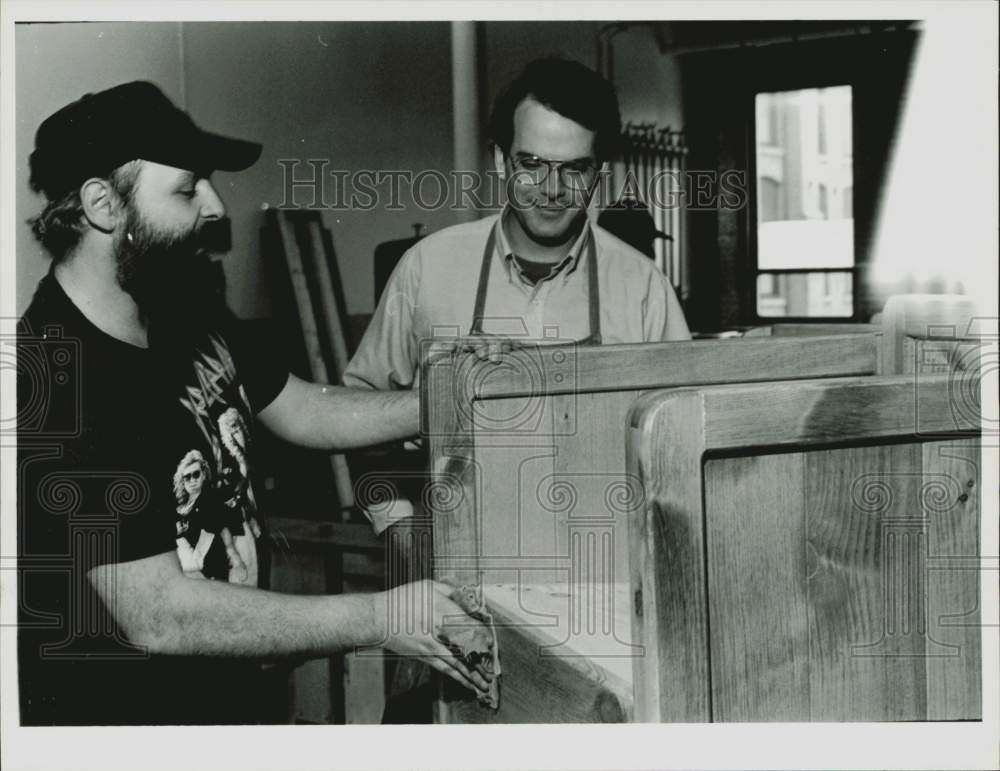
point(170, 279)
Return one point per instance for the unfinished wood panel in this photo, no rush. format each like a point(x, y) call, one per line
point(654, 365)
point(666, 559)
point(950, 496)
point(562, 490)
point(792, 329)
point(757, 588)
point(458, 392)
point(943, 356)
point(866, 541)
point(817, 411)
point(839, 630)
point(446, 425)
point(590, 463)
point(557, 668)
point(467, 416)
point(837, 328)
point(519, 535)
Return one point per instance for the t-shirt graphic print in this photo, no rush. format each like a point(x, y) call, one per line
point(216, 522)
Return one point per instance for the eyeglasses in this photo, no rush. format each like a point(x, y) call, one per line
point(532, 170)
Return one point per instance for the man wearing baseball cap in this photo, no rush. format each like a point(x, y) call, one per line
point(134, 383)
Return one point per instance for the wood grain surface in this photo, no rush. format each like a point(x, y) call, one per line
point(538, 369)
point(842, 580)
point(531, 456)
point(667, 562)
point(810, 412)
point(951, 496)
point(789, 329)
point(557, 667)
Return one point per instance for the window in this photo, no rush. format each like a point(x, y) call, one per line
point(847, 202)
point(769, 201)
point(804, 219)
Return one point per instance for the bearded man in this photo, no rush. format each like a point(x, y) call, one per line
point(129, 361)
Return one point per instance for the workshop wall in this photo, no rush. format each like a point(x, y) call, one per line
point(359, 95)
point(363, 96)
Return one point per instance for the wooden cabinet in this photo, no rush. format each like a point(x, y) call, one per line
point(809, 552)
point(726, 497)
point(529, 490)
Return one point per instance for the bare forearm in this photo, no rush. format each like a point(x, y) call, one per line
point(218, 619)
point(327, 417)
point(160, 608)
point(360, 418)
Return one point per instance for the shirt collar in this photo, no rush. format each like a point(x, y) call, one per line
point(567, 264)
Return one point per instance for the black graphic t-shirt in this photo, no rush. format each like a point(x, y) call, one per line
point(216, 523)
point(118, 462)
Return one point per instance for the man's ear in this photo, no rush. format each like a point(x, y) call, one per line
point(99, 205)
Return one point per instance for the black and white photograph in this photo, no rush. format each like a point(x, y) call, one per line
point(451, 387)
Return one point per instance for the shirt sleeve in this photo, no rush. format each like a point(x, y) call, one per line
point(388, 356)
point(260, 361)
point(664, 319)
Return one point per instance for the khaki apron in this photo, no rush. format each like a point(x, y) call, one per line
point(593, 292)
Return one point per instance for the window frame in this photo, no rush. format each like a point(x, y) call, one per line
point(777, 85)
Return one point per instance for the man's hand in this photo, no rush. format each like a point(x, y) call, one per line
point(485, 347)
point(414, 619)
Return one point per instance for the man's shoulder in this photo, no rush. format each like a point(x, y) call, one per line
point(455, 240)
point(50, 313)
point(611, 249)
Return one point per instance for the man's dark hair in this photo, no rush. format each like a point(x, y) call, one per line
point(60, 225)
point(569, 88)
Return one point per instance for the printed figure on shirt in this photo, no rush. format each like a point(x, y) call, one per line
point(193, 541)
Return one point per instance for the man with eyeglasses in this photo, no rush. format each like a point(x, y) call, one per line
point(540, 270)
point(527, 273)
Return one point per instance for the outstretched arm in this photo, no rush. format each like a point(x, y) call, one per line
point(327, 417)
point(159, 608)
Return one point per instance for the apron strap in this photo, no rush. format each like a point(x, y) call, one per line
point(593, 290)
point(593, 293)
point(484, 279)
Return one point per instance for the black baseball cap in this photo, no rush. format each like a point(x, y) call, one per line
point(99, 132)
